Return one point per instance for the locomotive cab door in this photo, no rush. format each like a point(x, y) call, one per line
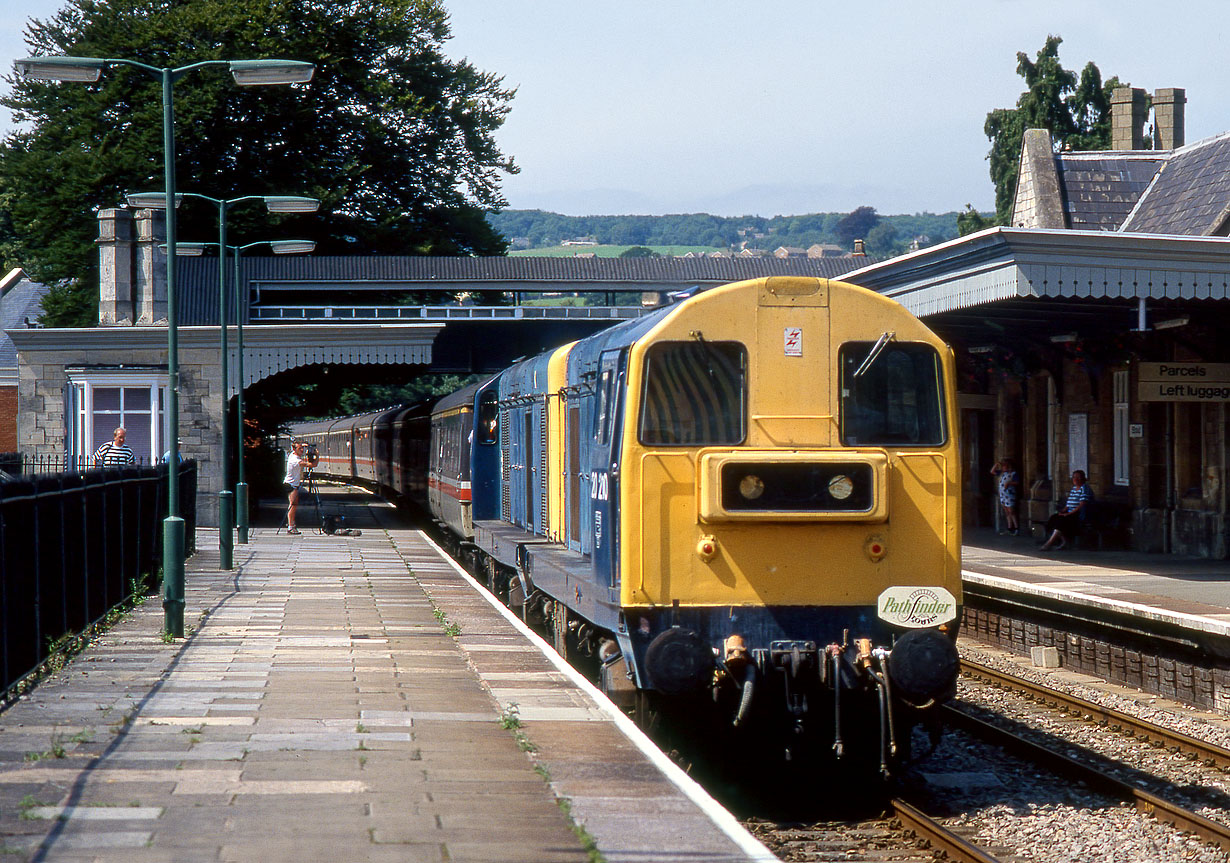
point(605, 466)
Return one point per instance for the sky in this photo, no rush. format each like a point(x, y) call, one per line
point(787, 106)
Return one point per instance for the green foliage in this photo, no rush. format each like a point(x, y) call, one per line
point(639, 252)
point(971, 221)
point(678, 234)
point(857, 225)
point(394, 137)
point(1076, 110)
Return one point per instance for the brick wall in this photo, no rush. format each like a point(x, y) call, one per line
point(8, 419)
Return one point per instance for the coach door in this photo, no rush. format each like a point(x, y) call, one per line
point(604, 488)
point(573, 474)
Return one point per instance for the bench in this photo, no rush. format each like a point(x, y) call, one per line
point(1108, 525)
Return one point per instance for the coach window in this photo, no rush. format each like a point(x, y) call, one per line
point(695, 393)
point(895, 399)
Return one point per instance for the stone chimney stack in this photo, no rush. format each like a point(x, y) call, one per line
point(150, 290)
point(115, 300)
point(1128, 116)
point(1168, 118)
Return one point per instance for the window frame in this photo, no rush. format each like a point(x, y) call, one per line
point(744, 382)
point(84, 435)
point(940, 393)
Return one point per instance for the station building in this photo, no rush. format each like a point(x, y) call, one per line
point(1091, 334)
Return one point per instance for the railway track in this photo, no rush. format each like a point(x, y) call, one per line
point(904, 835)
point(1100, 772)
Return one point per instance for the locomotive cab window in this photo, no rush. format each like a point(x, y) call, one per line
point(488, 418)
point(695, 393)
point(891, 396)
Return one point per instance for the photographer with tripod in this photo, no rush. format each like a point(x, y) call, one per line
point(299, 456)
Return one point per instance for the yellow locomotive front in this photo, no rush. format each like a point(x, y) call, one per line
point(789, 500)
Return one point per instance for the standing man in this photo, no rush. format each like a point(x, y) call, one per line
point(294, 478)
point(115, 454)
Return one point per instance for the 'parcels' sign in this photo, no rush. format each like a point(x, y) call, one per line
point(1183, 382)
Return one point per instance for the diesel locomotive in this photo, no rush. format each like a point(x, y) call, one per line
point(745, 504)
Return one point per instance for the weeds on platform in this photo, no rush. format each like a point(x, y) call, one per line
point(61, 649)
point(58, 748)
point(587, 841)
point(510, 720)
point(450, 629)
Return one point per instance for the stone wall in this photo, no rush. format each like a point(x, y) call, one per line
point(44, 356)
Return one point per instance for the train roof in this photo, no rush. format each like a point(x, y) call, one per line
point(463, 396)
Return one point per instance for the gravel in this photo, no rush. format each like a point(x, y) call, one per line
point(1023, 813)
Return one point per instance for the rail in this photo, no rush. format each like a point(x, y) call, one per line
point(1094, 776)
point(73, 546)
point(1142, 728)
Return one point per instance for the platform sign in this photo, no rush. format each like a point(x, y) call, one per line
point(1183, 382)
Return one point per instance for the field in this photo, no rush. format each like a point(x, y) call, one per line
point(606, 251)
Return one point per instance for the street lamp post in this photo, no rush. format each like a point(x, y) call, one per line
point(245, 73)
point(227, 503)
point(279, 247)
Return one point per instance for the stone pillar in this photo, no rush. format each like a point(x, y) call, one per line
point(150, 292)
point(1128, 116)
point(115, 288)
point(1168, 118)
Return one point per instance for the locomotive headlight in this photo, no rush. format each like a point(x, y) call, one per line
point(751, 487)
point(841, 487)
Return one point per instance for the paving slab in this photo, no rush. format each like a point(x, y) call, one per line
point(318, 710)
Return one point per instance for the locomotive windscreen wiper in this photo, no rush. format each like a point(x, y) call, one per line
point(876, 350)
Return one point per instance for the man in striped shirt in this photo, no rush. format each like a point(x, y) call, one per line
point(115, 454)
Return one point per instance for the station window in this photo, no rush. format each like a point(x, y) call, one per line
point(99, 403)
point(695, 393)
point(1121, 428)
point(897, 399)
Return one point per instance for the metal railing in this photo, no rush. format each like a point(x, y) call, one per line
point(14, 463)
point(73, 546)
point(329, 314)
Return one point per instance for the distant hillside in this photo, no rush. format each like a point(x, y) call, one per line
point(888, 235)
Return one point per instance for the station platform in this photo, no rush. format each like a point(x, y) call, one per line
point(1192, 593)
point(339, 698)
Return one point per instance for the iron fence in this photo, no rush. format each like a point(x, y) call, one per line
point(14, 463)
point(73, 546)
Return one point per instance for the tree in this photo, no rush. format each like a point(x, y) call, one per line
point(1075, 109)
point(639, 252)
point(857, 225)
point(883, 240)
point(971, 221)
point(394, 137)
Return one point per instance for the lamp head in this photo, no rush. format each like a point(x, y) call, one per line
point(248, 73)
point(292, 247)
point(151, 200)
point(54, 68)
point(291, 204)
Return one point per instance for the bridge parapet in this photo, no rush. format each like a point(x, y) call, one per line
point(333, 313)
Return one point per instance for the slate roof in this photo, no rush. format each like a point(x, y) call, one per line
point(23, 300)
point(1190, 194)
point(1100, 188)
